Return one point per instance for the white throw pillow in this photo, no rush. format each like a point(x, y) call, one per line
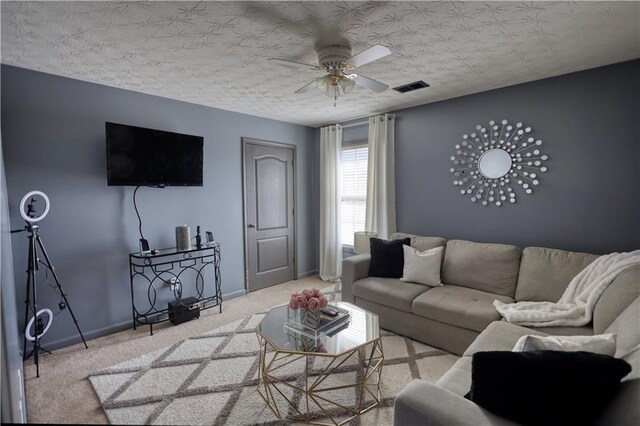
point(604, 344)
point(422, 267)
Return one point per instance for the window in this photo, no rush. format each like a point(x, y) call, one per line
point(354, 190)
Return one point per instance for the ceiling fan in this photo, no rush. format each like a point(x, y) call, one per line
point(337, 62)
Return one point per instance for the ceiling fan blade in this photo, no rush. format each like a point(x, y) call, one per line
point(292, 64)
point(372, 54)
point(306, 87)
point(370, 84)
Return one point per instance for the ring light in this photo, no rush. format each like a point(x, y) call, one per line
point(24, 201)
point(27, 330)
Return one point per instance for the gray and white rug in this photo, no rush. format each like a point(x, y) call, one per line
point(211, 380)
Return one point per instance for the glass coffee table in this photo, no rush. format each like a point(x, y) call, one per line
point(336, 376)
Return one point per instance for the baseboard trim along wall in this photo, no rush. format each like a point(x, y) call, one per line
point(93, 334)
point(233, 295)
point(126, 325)
point(307, 274)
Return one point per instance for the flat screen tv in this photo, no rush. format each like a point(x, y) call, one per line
point(139, 156)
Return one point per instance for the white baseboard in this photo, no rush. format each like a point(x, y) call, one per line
point(114, 328)
point(88, 335)
point(233, 295)
point(307, 274)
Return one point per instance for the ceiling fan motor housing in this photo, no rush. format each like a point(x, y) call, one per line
point(333, 57)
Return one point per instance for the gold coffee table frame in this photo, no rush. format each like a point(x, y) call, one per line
point(369, 357)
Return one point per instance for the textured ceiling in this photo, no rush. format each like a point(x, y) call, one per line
point(215, 53)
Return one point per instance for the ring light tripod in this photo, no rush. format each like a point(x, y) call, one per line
point(36, 247)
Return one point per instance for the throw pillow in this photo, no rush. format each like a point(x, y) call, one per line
point(387, 257)
point(545, 387)
point(422, 267)
point(604, 344)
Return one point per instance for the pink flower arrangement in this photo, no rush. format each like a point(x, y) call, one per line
point(308, 299)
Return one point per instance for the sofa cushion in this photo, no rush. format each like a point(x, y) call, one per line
point(458, 378)
point(487, 267)
point(502, 335)
point(618, 295)
point(387, 257)
point(388, 292)
point(419, 242)
point(499, 336)
point(459, 306)
point(586, 330)
point(545, 273)
point(626, 327)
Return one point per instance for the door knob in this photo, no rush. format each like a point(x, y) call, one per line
point(251, 225)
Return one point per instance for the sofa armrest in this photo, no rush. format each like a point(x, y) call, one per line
point(354, 268)
point(425, 404)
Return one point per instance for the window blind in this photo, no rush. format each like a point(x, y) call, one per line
point(354, 190)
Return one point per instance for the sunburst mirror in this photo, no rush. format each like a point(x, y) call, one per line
point(491, 161)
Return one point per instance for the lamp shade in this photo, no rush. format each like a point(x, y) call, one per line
point(361, 241)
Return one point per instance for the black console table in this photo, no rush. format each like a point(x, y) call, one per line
point(168, 265)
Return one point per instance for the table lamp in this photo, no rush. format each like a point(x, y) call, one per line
point(361, 241)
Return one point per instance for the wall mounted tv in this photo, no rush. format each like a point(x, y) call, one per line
point(139, 156)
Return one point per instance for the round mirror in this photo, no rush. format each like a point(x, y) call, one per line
point(495, 163)
point(490, 162)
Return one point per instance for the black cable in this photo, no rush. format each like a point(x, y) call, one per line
point(55, 289)
point(135, 206)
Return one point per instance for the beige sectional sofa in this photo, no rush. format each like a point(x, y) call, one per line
point(459, 317)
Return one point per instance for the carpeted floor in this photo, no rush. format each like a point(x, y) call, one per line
point(211, 380)
point(63, 393)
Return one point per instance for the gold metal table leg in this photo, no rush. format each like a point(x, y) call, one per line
point(314, 404)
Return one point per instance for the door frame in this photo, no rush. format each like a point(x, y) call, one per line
point(252, 141)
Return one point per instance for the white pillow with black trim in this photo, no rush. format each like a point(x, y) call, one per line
point(422, 267)
point(604, 344)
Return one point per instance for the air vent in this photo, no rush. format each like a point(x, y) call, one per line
point(411, 87)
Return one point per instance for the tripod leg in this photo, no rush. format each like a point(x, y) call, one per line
point(33, 254)
point(41, 348)
point(55, 277)
point(30, 271)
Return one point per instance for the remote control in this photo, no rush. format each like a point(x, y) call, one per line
point(330, 311)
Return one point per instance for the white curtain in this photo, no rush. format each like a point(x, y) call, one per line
point(381, 190)
point(330, 194)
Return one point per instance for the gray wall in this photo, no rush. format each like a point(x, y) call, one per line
point(53, 130)
point(589, 200)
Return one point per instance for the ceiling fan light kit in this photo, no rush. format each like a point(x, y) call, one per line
point(337, 62)
point(335, 85)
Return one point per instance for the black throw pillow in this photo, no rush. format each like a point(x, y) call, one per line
point(545, 387)
point(387, 257)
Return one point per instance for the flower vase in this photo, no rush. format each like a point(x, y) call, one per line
point(311, 319)
point(306, 344)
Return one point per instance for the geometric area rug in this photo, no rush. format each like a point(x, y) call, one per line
point(211, 379)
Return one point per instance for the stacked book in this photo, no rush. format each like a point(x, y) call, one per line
point(332, 320)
